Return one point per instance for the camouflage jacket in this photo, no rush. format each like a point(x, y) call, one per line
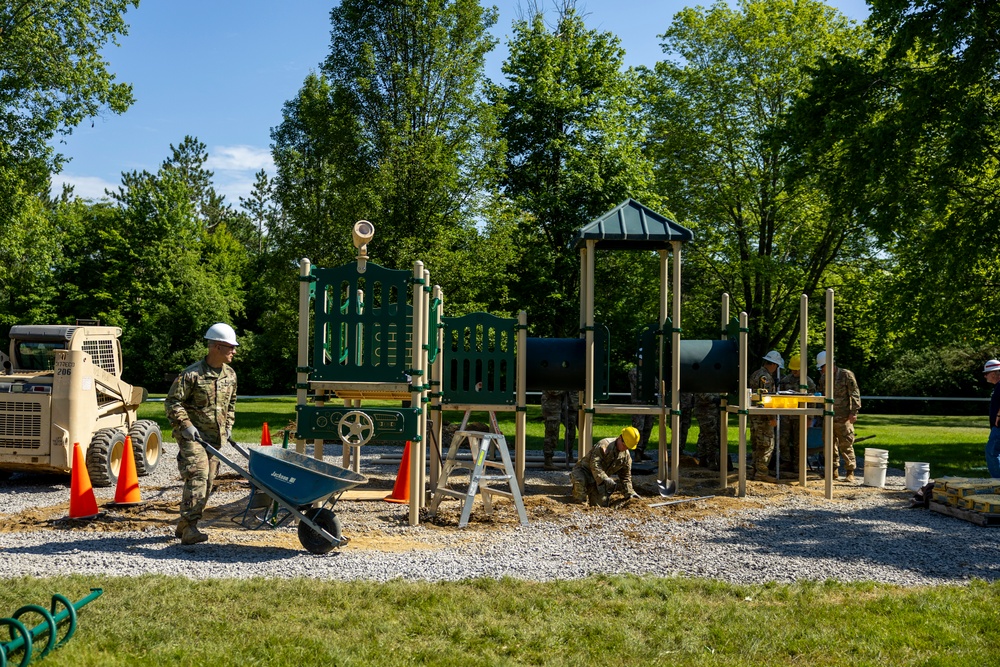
point(205, 398)
point(789, 382)
point(846, 395)
point(604, 460)
point(761, 379)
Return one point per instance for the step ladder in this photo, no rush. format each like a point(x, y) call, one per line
point(481, 445)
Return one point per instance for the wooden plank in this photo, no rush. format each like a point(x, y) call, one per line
point(972, 517)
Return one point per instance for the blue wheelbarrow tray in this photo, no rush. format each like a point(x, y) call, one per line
point(296, 478)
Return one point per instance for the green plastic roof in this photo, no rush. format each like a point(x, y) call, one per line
point(632, 226)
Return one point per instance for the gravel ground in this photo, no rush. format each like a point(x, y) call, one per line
point(774, 534)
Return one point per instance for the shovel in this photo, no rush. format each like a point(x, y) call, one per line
point(666, 488)
point(682, 500)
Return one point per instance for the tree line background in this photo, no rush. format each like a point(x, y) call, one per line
point(804, 151)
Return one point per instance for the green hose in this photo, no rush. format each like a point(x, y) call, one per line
point(50, 620)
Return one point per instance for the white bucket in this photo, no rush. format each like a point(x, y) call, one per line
point(917, 475)
point(876, 463)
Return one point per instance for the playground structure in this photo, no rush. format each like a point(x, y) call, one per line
point(379, 334)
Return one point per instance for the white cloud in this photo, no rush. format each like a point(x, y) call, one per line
point(84, 187)
point(240, 158)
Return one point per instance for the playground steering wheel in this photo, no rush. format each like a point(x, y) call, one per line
point(355, 428)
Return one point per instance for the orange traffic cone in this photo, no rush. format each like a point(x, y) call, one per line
point(82, 503)
point(265, 436)
point(401, 489)
point(127, 491)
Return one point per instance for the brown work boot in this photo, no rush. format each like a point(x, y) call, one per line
point(548, 464)
point(850, 477)
point(181, 527)
point(192, 535)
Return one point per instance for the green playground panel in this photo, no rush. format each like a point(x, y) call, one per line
point(320, 422)
point(364, 337)
point(479, 360)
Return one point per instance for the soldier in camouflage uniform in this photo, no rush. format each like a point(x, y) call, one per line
point(642, 423)
point(846, 404)
point(762, 426)
point(591, 477)
point(570, 417)
point(552, 410)
point(706, 411)
point(789, 442)
point(202, 404)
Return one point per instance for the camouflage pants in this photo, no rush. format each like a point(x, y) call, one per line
point(198, 471)
point(551, 436)
point(843, 445)
point(643, 424)
point(708, 431)
point(585, 488)
point(762, 443)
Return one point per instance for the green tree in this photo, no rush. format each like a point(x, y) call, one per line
point(904, 136)
point(392, 131)
point(53, 75)
point(573, 152)
point(147, 262)
point(718, 107)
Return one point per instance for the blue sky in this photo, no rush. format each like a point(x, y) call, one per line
point(220, 70)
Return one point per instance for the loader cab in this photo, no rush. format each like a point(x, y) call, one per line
point(32, 355)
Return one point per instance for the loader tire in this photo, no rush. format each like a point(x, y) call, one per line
point(147, 444)
point(104, 457)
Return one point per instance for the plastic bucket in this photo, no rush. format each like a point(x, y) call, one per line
point(876, 463)
point(917, 475)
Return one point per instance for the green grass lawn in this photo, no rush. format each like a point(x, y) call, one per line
point(620, 620)
point(951, 445)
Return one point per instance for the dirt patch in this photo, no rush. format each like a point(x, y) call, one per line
point(544, 499)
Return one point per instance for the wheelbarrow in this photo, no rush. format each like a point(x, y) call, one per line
point(302, 487)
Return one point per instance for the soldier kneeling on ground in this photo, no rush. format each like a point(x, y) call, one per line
point(591, 476)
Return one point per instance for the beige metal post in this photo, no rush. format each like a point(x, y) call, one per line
point(416, 393)
point(302, 378)
point(803, 384)
point(661, 463)
point(675, 370)
point(828, 401)
point(723, 413)
point(581, 433)
point(744, 407)
point(521, 410)
point(588, 391)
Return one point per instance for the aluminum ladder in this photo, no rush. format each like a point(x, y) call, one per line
point(481, 444)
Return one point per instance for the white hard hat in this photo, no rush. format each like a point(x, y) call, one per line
point(223, 333)
point(991, 365)
point(775, 358)
point(821, 360)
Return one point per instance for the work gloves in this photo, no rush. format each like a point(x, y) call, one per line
point(609, 485)
point(190, 433)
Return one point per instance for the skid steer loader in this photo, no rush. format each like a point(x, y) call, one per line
point(61, 384)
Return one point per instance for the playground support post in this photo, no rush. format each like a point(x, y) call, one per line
point(675, 369)
point(831, 465)
point(723, 413)
point(661, 463)
point(744, 407)
point(302, 375)
point(589, 257)
point(521, 414)
point(416, 394)
point(803, 384)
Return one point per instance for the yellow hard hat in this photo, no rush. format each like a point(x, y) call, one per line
point(793, 363)
point(630, 436)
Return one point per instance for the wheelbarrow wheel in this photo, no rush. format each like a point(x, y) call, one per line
point(313, 542)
